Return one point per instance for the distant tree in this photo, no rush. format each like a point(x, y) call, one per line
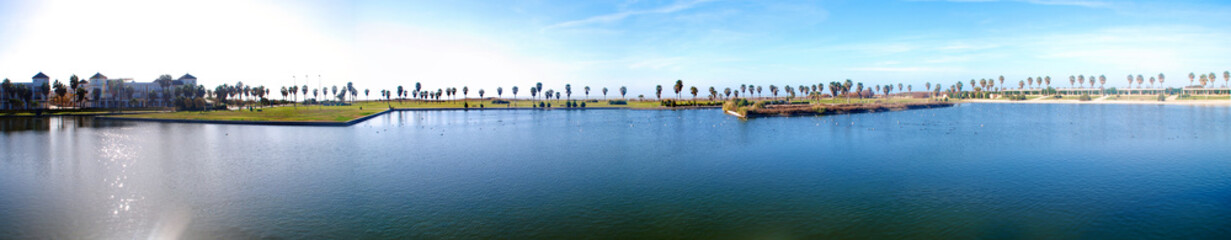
point(623, 91)
point(514, 92)
point(759, 91)
point(679, 86)
point(604, 93)
point(568, 91)
point(693, 89)
point(587, 89)
point(658, 92)
point(1161, 79)
point(500, 92)
point(743, 88)
point(1140, 80)
point(846, 88)
point(480, 93)
point(1191, 76)
point(727, 92)
point(1102, 80)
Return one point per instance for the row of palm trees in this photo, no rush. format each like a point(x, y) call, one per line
point(1080, 81)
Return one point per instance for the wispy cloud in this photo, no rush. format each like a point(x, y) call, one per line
point(1080, 3)
point(618, 16)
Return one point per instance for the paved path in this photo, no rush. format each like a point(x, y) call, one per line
point(1102, 98)
point(1173, 97)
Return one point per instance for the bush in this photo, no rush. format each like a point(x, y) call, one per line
point(583, 104)
point(1162, 98)
point(500, 101)
point(1084, 97)
point(617, 102)
point(465, 105)
point(1056, 96)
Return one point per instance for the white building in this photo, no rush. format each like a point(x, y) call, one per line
point(35, 85)
point(112, 92)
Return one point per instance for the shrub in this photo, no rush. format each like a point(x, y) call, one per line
point(617, 102)
point(499, 101)
point(1084, 97)
point(1058, 96)
point(583, 104)
point(465, 105)
point(1162, 98)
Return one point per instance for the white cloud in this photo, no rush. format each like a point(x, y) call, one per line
point(618, 16)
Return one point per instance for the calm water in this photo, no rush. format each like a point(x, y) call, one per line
point(973, 171)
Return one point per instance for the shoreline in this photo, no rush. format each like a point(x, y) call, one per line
point(1121, 102)
point(370, 116)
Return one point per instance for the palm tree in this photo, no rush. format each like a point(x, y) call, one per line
point(514, 92)
point(587, 88)
point(1140, 80)
point(1047, 80)
point(1030, 81)
point(679, 86)
point(1191, 76)
point(658, 92)
point(604, 93)
point(846, 88)
point(1102, 79)
point(568, 91)
point(1001, 80)
point(772, 90)
point(1160, 79)
point(499, 92)
point(1226, 77)
point(743, 88)
point(727, 91)
point(1130, 82)
point(1151, 82)
point(480, 93)
point(624, 90)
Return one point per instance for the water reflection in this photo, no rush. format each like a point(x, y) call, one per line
point(19, 124)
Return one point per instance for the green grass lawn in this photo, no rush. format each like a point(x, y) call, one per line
point(316, 113)
point(278, 114)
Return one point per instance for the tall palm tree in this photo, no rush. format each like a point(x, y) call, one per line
point(1140, 80)
point(1047, 80)
point(604, 93)
point(1160, 79)
point(587, 88)
point(1001, 80)
point(1102, 79)
point(568, 91)
point(1226, 78)
point(846, 88)
point(1191, 76)
point(1030, 81)
point(1081, 80)
point(658, 92)
point(623, 91)
point(679, 86)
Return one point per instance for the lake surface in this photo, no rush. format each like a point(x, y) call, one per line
point(972, 171)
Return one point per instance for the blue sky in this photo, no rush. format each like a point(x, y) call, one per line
point(634, 43)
